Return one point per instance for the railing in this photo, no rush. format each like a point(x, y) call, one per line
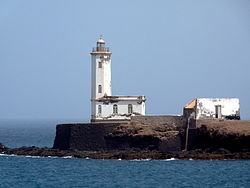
point(100, 49)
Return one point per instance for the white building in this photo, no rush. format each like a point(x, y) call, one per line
point(207, 108)
point(104, 106)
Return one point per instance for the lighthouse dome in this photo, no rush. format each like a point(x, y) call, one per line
point(101, 41)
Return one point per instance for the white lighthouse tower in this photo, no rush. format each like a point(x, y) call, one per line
point(100, 74)
point(104, 106)
point(101, 70)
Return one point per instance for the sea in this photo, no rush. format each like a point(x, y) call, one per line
point(38, 172)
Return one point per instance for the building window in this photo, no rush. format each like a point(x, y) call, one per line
point(100, 89)
point(99, 64)
point(115, 109)
point(99, 109)
point(130, 108)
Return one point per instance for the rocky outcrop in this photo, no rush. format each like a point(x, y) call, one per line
point(218, 139)
point(127, 154)
point(231, 135)
point(210, 135)
point(118, 136)
point(2, 147)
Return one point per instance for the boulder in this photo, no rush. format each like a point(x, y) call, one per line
point(3, 147)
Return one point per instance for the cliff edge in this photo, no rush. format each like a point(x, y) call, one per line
point(224, 139)
point(170, 136)
point(232, 135)
point(117, 136)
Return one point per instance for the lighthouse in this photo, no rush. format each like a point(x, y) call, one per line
point(104, 106)
point(101, 70)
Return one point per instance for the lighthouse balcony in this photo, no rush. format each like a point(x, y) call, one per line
point(100, 49)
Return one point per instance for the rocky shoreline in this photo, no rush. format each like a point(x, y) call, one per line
point(210, 140)
point(220, 154)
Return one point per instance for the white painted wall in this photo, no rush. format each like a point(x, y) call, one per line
point(107, 110)
point(100, 76)
point(206, 107)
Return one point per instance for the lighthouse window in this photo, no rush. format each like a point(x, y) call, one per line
point(100, 64)
point(100, 89)
point(130, 109)
point(99, 109)
point(115, 109)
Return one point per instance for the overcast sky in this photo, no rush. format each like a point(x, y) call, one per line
point(169, 51)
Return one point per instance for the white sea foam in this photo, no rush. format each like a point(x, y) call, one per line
point(53, 157)
point(171, 159)
point(30, 156)
point(13, 155)
point(3, 154)
point(141, 160)
point(67, 157)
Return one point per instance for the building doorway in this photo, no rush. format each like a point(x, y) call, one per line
point(218, 112)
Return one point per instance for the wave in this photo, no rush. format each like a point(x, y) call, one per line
point(8, 155)
point(171, 159)
point(67, 157)
point(140, 160)
point(30, 156)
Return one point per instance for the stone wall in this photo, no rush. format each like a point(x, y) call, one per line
point(200, 122)
point(84, 136)
point(177, 121)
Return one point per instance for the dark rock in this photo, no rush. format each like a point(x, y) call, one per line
point(222, 151)
point(117, 136)
point(171, 143)
point(123, 140)
point(212, 138)
point(127, 154)
point(2, 147)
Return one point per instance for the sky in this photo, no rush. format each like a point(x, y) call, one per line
point(171, 51)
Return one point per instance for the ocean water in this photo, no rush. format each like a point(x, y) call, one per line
point(27, 171)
